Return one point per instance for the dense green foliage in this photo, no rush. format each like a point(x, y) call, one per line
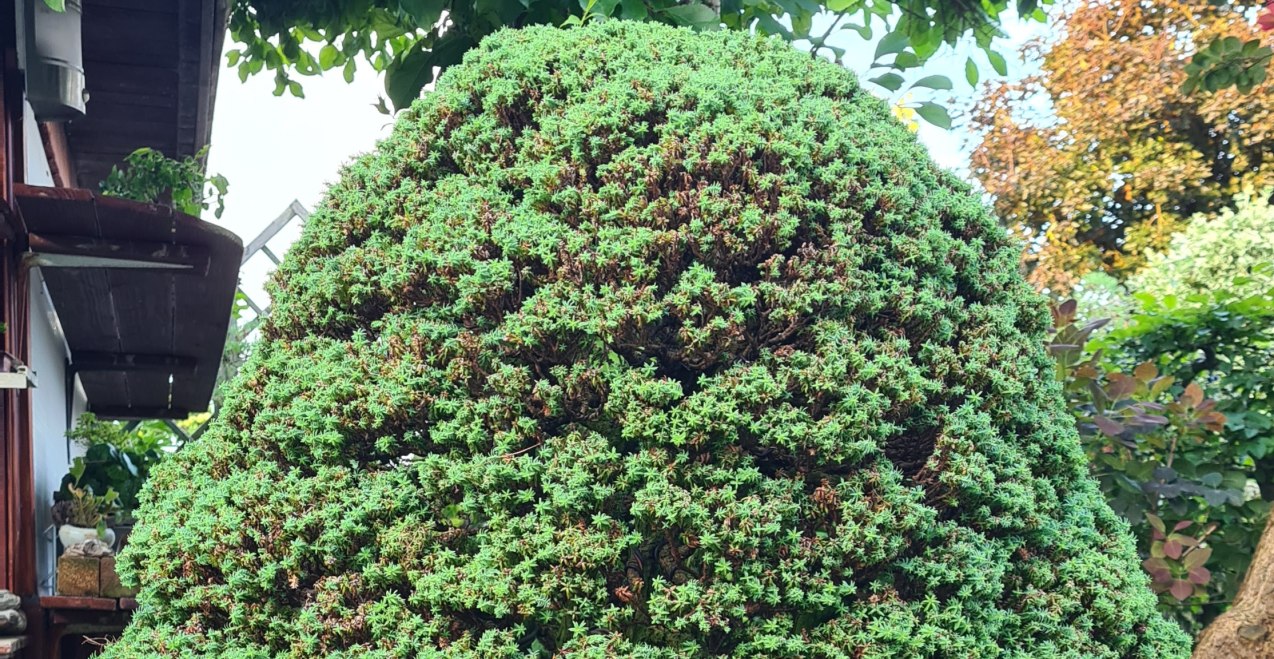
point(1231, 253)
point(1223, 343)
point(632, 341)
point(1180, 468)
point(154, 178)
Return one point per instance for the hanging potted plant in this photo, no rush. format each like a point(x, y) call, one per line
point(83, 516)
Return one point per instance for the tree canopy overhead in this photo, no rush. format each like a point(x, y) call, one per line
point(409, 39)
point(1107, 152)
point(636, 342)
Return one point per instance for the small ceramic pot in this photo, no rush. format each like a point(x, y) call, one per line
point(70, 535)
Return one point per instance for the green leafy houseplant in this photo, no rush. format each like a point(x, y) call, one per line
point(633, 341)
point(85, 509)
point(152, 177)
point(115, 459)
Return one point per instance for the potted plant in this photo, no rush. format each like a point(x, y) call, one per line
point(116, 459)
point(83, 515)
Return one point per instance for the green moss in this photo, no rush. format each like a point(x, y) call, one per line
point(631, 341)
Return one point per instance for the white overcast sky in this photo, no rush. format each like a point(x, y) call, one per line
point(276, 149)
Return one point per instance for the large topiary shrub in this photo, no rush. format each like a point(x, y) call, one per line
point(632, 341)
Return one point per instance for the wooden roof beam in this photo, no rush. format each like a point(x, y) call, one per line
point(59, 251)
point(106, 412)
point(123, 361)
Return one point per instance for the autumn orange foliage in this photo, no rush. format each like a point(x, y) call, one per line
point(1101, 155)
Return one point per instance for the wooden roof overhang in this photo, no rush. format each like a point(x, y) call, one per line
point(150, 70)
point(143, 295)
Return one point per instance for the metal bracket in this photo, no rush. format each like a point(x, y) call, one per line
point(20, 378)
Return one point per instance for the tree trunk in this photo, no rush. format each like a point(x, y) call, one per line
point(1247, 629)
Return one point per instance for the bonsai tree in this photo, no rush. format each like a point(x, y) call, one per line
point(632, 341)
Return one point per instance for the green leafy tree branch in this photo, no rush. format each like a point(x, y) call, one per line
point(410, 41)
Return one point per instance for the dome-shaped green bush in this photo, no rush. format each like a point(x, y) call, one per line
point(632, 341)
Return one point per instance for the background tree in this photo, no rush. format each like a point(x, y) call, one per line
point(1247, 628)
point(1201, 318)
point(1103, 154)
point(1233, 251)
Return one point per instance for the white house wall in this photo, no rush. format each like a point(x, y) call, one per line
point(48, 360)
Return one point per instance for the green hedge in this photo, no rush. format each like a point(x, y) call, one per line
point(632, 341)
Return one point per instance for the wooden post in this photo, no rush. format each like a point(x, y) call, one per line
point(17, 485)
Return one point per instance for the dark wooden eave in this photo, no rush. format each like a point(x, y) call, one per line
point(143, 295)
point(150, 70)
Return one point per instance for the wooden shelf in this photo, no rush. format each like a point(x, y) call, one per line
point(68, 618)
point(80, 603)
